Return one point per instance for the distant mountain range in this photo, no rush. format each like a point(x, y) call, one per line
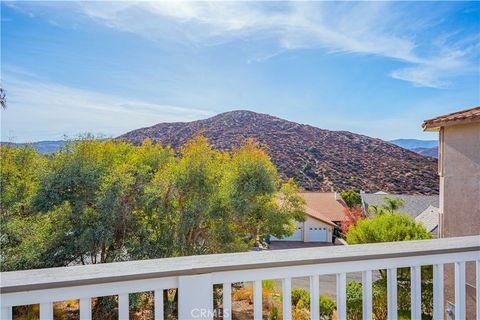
point(41, 146)
point(427, 148)
point(318, 159)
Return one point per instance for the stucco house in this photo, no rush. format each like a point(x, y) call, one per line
point(459, 171)
point(324, 214)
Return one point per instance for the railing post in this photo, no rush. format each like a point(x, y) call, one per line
point(315, 297)
point(85, 309)
point(367, 294)
point(7, 313)
point(257, 300)
point(158, 304)
point(416, 292)
point(195, 297)
point(438, 304)
point(227, 301)
point(123, 306)
point(46, 311)
point(341, 296)
point(392, 294)
point(287, 298)
point(460, 290)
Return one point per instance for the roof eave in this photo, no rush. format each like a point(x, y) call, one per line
point(436, 125)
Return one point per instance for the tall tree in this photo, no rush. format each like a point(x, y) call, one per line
point(351, 198)
point(252, 188)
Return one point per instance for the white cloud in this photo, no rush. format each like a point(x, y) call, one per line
point(41, 110)
point(370, 28)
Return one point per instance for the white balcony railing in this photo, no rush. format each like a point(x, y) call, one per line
point(195, 276)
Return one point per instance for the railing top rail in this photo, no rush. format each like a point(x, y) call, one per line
point(17, 281)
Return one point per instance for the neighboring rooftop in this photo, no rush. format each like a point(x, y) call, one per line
point(414, 204)
point(324, 205)
point(429, 219)
point(459, 117)
point(319, 216)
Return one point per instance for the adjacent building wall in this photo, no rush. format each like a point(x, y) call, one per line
point(459, 169)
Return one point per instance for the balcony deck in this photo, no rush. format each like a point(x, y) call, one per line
point(194, 276)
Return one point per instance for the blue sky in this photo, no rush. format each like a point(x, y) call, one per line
point(376, 68)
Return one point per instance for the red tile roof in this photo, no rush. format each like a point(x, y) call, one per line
point(318, 216)
point(323, 205)
point(459, 117)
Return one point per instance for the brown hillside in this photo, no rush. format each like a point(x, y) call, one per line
point(317, 159)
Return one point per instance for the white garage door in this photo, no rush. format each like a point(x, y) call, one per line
point(317, 234)
point(296, 236)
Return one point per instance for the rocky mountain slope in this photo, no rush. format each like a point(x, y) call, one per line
point(320, 160)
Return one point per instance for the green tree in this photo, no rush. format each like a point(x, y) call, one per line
point(351, 198)
point(261, 205)
point(389, 205)
point(387, 228)
point(102, 201)
point(102, 183)
point(185, 211)
point(20, 171)
point(390, 227)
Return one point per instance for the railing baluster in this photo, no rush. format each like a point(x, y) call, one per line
point(123, 306)
point(416, 292)
point(287, 298)
point(460, 290)
point(367, 294)
point(85, 309)
point(257, 300)
point(341, 296)
point(46, 311)
point(392, 294)
point(227, 300)
point(315, 297)
point(158, 304)
point(7, 313)
point(438, 304)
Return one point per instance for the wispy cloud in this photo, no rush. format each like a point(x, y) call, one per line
point(35, 104)
point(369, 28)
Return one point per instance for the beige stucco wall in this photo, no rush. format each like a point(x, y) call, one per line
point(313, 223)
point(459, 169)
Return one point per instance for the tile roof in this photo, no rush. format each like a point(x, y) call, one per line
point(429, 218)
point(464, 116)
point(319, 216)
point(414, 204)
point(324, 204)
